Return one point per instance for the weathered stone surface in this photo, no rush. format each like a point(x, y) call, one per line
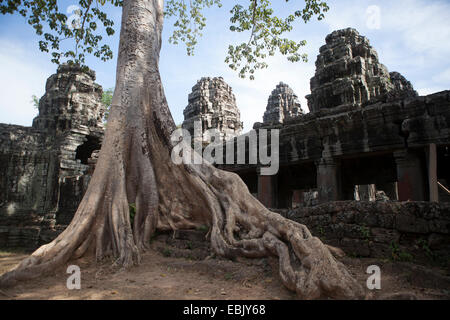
point(402, 87)
point(378, 249)
point(373, 228)
point(72, 99)
point(45, 169)
point(367, 219)
point(379, 127)
point(347, 72)
point(355, 247)
point(282, 104)
point(213, 103)
point(409, 223)
point(385, 235)
point(386, 221)
point(345, 217)
point(436, 241)
point(439, 226)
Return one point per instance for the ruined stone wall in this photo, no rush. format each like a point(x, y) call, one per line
point(397, 230)
point(23, 168)
point(381, 126)
point(45, 169)
point(358, 111)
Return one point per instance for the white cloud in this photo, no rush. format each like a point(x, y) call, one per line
point(412, 38)
point(444, 76)
point(373, 17)
point(423, 91)
point(21, 76)
point(423, 27)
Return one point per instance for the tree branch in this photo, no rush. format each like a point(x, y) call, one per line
point(255, 4)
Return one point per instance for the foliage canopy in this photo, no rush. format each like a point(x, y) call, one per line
point(87, 23)
point(107, 97)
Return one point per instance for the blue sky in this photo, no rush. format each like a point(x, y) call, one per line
point(410, 36)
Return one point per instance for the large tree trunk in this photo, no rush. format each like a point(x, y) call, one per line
point(135, 166)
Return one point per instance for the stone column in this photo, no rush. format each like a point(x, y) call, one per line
point(328, 180)
point(432, 172)
point(410, 182)
point(267, 189)
point(367, 192)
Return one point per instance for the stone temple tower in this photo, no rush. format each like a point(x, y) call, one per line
point(46, 168)
point(402, 87)
point(72, 100)
point(347, 72)
point(213, 103)
point(282, 104)
point(71, 114)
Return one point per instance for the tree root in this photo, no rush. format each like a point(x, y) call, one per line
point(135, 166)
point(240, 226)
point(243, 226)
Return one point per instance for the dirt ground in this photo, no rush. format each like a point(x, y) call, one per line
point(182, 269)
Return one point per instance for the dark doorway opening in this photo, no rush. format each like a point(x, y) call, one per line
point(84, 151)
point(251, 180)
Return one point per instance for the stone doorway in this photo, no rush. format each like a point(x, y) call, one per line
point(84, 151)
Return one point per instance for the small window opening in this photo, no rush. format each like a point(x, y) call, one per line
point(84, 151)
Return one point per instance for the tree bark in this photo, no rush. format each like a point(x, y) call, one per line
point(135, 166)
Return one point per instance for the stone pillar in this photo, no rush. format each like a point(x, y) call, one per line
point(432, 172)
point(410, 182)
point(367, 192)
point(328, 180)
point(267, 189)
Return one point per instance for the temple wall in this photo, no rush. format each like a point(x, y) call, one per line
point(393, 230)
point(26, 169)
point(45, 169)
point(367, 132)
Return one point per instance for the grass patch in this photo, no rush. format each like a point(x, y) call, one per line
point(228, 276)
point(203, 228)
point(398, 254)
point(167, 252)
